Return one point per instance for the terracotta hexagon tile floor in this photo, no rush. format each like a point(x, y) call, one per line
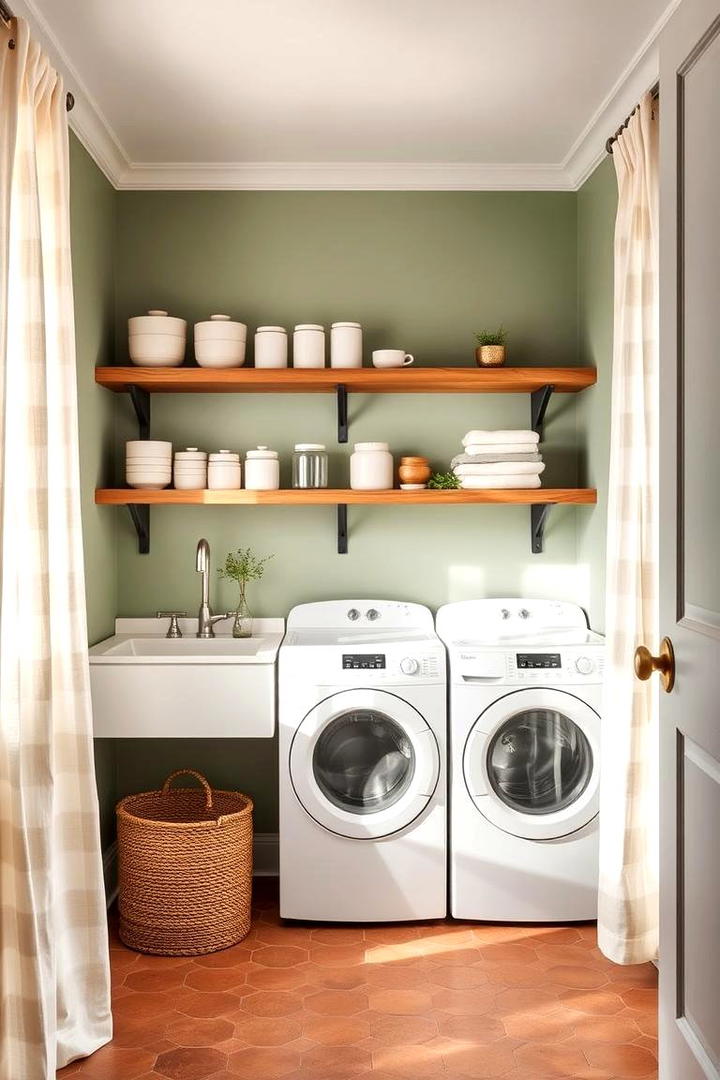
point(434, 1001)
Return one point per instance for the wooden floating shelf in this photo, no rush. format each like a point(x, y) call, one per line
point(341, 496)
point(409, 380)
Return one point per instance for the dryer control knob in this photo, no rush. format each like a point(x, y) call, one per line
point(372, 614)
point(584, 665)
point(353, 614)
point(409, 666)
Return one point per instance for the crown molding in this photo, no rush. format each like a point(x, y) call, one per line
point(96, 135)
point(341, 176)
point(639, 75)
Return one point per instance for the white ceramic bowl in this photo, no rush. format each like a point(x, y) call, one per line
point(151, 486)
point(220, 328)
point(156, 350)
point(153, 446)
point(149, 474)
point(220, 352)
point(157, 322)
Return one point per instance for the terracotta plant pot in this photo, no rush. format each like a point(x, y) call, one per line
point(490, 355)
point(414, 470)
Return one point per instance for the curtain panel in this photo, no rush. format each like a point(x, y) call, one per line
point(628, 902)
point(54, 972)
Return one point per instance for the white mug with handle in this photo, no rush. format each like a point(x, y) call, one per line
point(386, 358)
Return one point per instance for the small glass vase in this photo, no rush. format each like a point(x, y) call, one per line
point(242, 624)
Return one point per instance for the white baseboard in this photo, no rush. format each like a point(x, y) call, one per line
point(265, 862)
point(266, 855)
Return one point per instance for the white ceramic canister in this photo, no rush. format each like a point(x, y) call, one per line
point(220, 342)
point(346, 345)
point(190, 469)
point(262, 469)
point(371, 467)
point(224, 471)
point(271, 347)
point(309, 346)
point(157, 339)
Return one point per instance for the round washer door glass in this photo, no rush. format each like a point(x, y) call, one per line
point(531, 763)
point(363, 761)
point(539, 761)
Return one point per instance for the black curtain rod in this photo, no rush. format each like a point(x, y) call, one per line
point(655, 91)
point(7, 17)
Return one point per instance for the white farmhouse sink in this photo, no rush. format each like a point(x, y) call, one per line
point(145, 685)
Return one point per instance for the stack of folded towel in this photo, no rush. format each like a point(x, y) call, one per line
point(499, 459)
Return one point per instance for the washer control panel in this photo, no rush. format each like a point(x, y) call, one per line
point(363, 661)
point(391, 666)
point(538, 660)
point(542, 667)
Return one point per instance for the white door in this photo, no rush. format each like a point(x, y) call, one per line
point(364, 763)
point(531, 763)
point(690, 529)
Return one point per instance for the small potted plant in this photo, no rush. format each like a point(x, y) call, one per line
point(490, 351)
point(242, 566)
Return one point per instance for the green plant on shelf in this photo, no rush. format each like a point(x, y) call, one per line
point(243, 566)
point(491, 337)
point(444, 481)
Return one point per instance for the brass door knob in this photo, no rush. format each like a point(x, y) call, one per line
point(646, 663)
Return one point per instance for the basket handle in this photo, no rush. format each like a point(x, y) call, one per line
point(198, 776)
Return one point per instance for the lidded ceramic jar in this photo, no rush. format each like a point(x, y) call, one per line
point(190, 469)
point(414, 472)
point(309, 346)
point(157, 339)
point(371, 467)
point(346, 345)
point(262, 469)
point(220, 342)
point(224, 471)
point(271, 347)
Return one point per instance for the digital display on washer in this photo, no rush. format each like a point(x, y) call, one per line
point(363, 661)
point(538, 660)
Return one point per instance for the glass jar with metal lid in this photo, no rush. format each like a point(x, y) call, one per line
point(309, 466)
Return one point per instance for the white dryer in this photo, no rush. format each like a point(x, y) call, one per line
point(525, 687)
point(362, 718)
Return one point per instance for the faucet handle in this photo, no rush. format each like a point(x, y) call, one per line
point(174, 630)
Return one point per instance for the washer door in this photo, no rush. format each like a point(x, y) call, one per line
point(364, 763)
point(531, 763)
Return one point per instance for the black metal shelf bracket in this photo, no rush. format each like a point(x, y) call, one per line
point(342, 529)
point(141, 403)
point(342, 413)
point(140, 514)
point(538, 518)
point(539, 401)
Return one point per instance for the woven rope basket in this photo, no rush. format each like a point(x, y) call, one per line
point(185, 868)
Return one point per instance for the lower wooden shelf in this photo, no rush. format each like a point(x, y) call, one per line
point(540, 500)
point(335, 496)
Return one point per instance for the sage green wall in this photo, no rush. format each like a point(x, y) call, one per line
point(596, 209)
point(420, 271)
point(92, 217)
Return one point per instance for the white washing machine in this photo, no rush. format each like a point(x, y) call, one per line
point(525, 686)
point(362, 715)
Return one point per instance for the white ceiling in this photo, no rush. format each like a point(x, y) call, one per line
point(365, 88)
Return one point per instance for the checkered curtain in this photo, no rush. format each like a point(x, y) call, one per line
point(628, 905)
point(54, 972)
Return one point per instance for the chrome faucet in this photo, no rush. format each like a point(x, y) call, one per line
point(206, 619)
